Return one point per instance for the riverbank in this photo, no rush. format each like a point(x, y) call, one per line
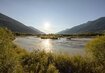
point(17, 60)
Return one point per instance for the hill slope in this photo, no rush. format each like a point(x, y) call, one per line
point(38, 31)
point(96, 26)
point(16, 26)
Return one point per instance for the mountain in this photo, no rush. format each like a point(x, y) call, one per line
point(96, 26)
point(16, 26)
point(38, 31)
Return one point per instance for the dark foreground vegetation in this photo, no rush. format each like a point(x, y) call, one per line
point(16, 60)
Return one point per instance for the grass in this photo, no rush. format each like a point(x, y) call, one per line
point(16, 60)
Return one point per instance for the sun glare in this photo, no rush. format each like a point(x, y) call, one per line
point(47, 45)
point(46, 26)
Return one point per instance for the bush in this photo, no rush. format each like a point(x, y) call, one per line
point(97, 48)
point(38, 62)
point(8, 53)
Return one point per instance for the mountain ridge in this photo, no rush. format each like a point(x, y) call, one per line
point(16, 26)
point(95, 26)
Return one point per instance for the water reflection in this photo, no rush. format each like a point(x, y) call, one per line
point(47, 45)
point(74, 46)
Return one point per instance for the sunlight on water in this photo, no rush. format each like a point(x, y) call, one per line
point(74, 46)
point(47, 45)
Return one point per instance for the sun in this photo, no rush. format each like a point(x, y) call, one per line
point(46, 26)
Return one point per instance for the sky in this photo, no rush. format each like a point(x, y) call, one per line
point(52, 16)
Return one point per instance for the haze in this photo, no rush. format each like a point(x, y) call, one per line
point(52, 16)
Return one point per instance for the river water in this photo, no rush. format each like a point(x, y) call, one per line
point(64, 46)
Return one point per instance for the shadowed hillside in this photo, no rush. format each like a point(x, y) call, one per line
point(96, 26)
point(16, 26)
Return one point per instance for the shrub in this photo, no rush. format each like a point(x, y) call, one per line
point(96, 48)
point(38, 62)
point(8, 55)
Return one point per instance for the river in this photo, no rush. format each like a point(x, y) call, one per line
point(72, 47)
